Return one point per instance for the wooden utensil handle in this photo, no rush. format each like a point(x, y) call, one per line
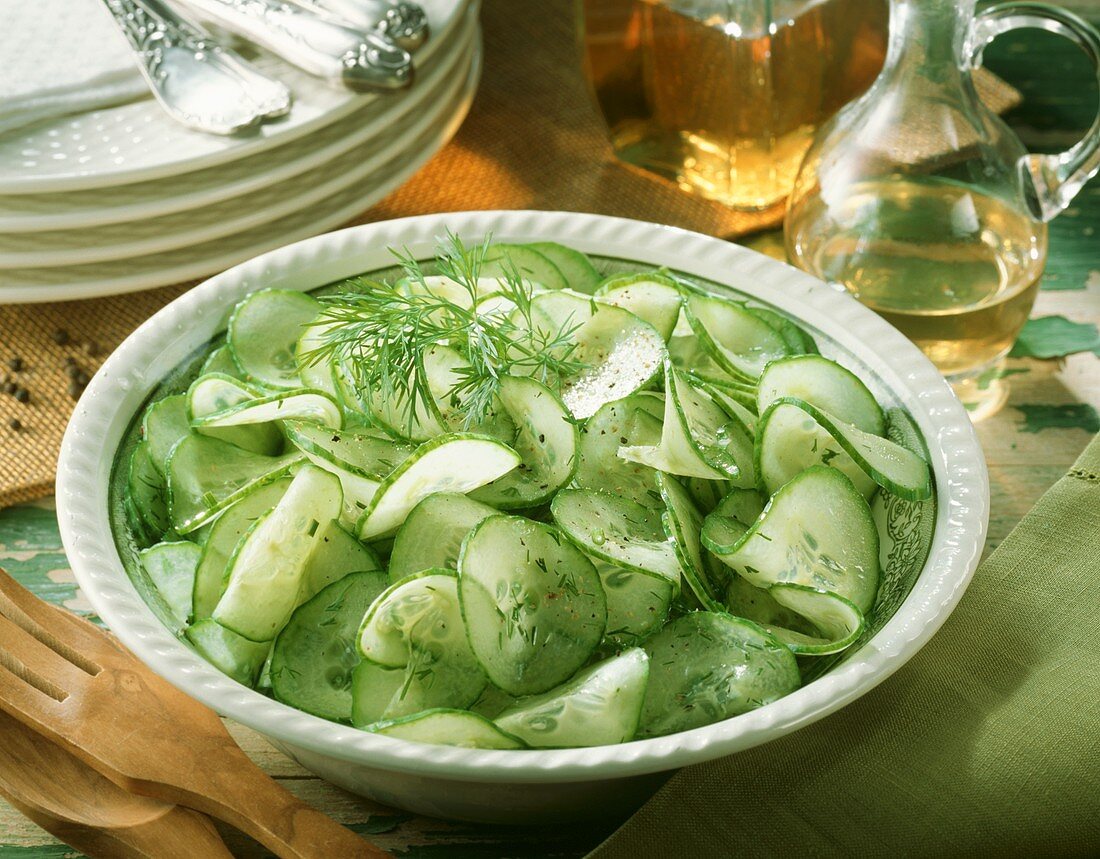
point(256, 804)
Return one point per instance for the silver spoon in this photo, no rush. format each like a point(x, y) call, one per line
point(198, 83)
point(404, 24)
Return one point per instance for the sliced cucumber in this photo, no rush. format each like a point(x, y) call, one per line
point(708, 666)
point(225, 534)
point(682, 522)
point(693, 440)
point(456, 462)
point(637, 603)
point(206, 475)
point(525, 261)
point(263, 335)
point(446, 369)
point(492, 702)
point(816, 531)
point(300, 404)
point(623, 355)
point(631, 422)
point(447, 727)
point(654, 298)
point(315, 654)
point(432, 534)
point(533, 604)
point(213, 393)
point(220, 362)
point(824, 384)
point(796, 338)
point(164, 425)
point(724, 527)
point(546, 439)
point(372, 689)
point(314, 370)
point(616, 530)
point(232, 654)
point(575, 267)
point(739, 341)
point(417, 625)
point(795, 435)
point(737, 398)
point(269, 569)
point(838, 623)
point(600, 706)
point(707, 494)
point(147, 494)
point(171, 567)
point(337, 555)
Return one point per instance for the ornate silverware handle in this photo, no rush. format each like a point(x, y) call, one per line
point(405, 24)
point(197, 82)
point(360, 61)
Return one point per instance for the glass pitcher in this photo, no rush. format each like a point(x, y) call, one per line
point(923, 203)
point(723, 96)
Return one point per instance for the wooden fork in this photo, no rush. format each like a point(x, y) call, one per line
point(68, 680)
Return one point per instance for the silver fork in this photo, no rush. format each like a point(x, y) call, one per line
point(197, 81)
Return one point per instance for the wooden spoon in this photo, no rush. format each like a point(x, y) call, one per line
point(74, 803)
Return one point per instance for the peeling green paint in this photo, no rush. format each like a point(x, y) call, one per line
point(1038, 417)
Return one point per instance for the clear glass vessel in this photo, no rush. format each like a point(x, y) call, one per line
point(924, 204)
point(723, 96)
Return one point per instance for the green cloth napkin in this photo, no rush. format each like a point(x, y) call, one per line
point(988, 740)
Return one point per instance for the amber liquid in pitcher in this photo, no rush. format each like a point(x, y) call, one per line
point(727, 108)
point(954, 270)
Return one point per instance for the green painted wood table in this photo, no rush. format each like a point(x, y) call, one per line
point(1050, 415)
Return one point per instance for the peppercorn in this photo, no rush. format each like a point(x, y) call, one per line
point(73, 371)
point(16, 424)
point(22, 395)
point(70, 361)
point(16, 364)
point(61, 337)
point(82, 378)
point(75, 389)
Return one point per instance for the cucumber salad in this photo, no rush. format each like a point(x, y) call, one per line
point(500, 500)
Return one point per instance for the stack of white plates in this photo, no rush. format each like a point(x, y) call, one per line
point(123, 199)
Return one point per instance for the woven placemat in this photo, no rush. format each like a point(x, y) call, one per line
point(532, 140)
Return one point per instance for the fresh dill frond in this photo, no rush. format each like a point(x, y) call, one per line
point(378, 333)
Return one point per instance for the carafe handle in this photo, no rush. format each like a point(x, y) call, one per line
point(1050, 182)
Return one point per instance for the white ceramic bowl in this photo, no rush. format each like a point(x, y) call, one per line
point(518, 786)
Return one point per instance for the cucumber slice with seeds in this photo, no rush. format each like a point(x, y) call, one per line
point(457, 462)
point(171, 568)
point(600, 706)
point(416, 625)
point(634, 421)
point(447, 727)
point(533, 604)
point(313, 657)
point(637, 603)
point(824, 384)
point(708, 666)
point(206, 475)
point(432, 534)
point(269, 569)
point(546, 439)
point(300, 404)
point(793, 542)
point(654, 298)
point(225, 534)
point(795, 435)
point(263, 335)
point(740, 342)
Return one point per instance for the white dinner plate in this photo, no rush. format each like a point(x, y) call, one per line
point(138, 142)
point(193, 226)
point(67, 210)
point(146, 272)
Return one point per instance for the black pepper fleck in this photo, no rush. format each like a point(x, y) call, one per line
point(61, 337)
point(22, 395)
point(16, 364)
point(75, 389)
point(73, 371)
point(16, 424)
point(81, 378)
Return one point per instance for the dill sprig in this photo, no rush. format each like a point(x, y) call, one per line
point(380, 332)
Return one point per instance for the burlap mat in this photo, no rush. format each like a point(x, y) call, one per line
point(532, 141)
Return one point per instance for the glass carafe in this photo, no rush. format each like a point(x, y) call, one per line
point(923, 203)
point(723, 96)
